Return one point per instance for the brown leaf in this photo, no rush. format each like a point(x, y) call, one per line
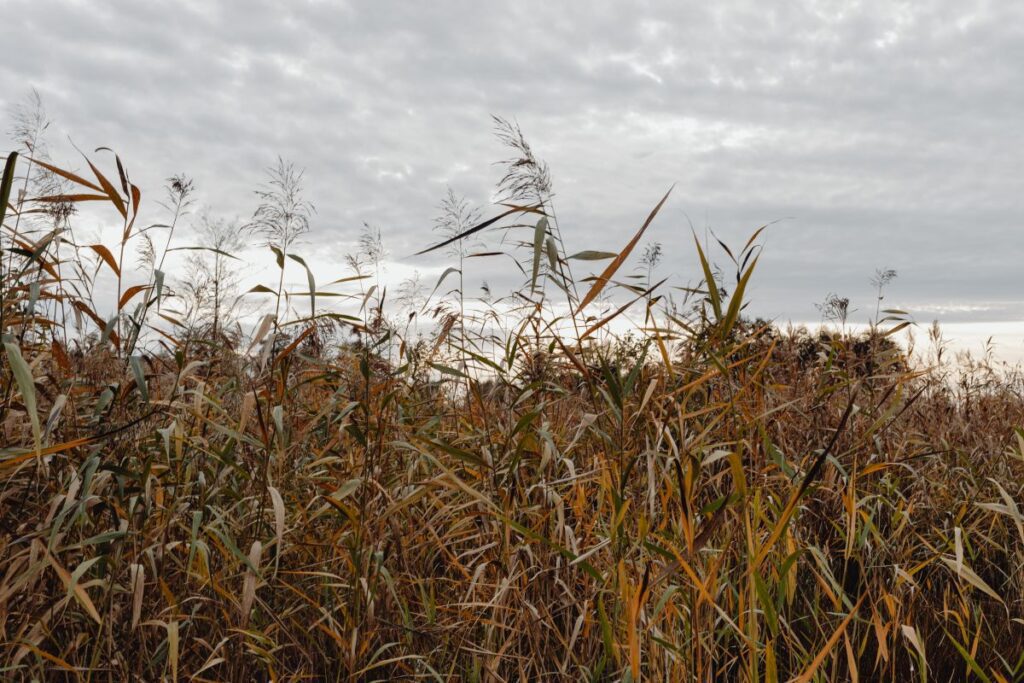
point(603, 279)
point(106, 256)
point(129, 293)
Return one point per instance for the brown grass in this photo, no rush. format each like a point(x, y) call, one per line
point(711, 499)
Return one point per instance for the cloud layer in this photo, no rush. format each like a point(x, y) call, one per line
point(884, 133)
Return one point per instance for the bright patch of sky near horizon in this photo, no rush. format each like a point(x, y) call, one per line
point(883, 134)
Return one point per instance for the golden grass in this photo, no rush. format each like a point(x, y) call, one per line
point(714, 500)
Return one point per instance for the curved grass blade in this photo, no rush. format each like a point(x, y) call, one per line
point(604, 277)
point(23, 375)
point(6, 183)
point(535, 208)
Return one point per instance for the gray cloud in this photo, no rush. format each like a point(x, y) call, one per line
point(885, 134)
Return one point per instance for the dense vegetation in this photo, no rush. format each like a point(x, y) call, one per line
point(507, 492)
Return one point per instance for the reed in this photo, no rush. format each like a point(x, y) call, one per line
point(518, 494)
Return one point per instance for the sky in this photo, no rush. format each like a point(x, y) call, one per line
point(870, 134)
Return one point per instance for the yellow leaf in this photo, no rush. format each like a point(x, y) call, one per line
point(72, 586)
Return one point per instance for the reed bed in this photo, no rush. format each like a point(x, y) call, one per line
point(314, 491)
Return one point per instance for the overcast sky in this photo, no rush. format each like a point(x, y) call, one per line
point(885, 134)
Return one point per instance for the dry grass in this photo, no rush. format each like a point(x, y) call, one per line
point(711, 500)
